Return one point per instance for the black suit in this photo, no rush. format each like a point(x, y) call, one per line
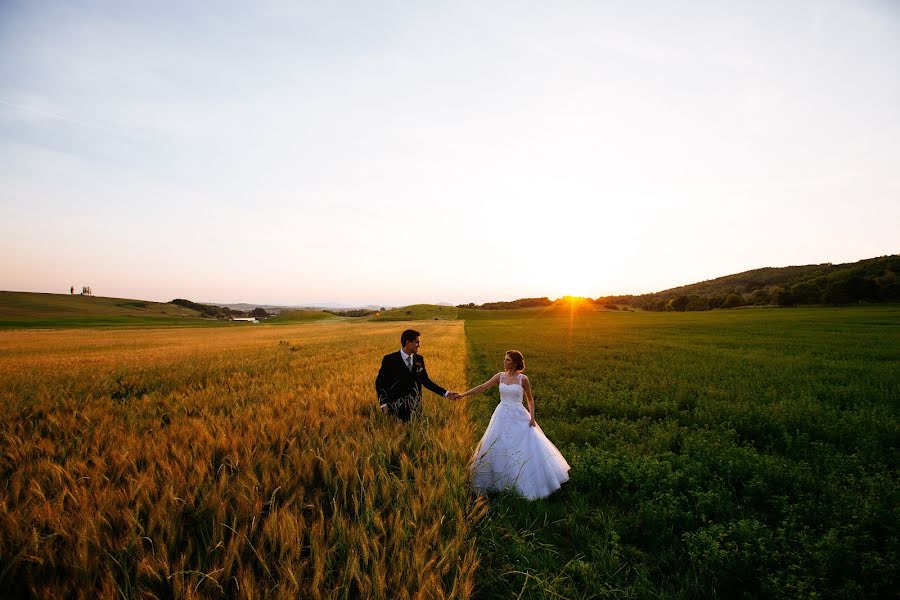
point(401, 388)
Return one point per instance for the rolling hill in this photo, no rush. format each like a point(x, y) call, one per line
point(418, 312)
point(30, 309)
point(869, 280)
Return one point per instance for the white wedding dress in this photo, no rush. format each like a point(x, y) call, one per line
point(512, 455)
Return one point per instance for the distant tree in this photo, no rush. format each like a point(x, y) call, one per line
point(259, 313)
point(679, 304)
point(761, 296)
point(890, 292)
point(806, 292)
point(838, 292)
point(356, 312)
point(657, 304)
point(520, 303)
point(206, 310)
point(697, 303)
point(753, 284)
point(733, 301)
point(716, 301)
point(851, 290)
point(783, 297)
point(867, 290)
point(888, 277)
point(889, 286)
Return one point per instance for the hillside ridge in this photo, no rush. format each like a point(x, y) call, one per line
point(867, 280)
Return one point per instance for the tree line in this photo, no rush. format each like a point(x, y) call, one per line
point(211, 311)
point(869, 281)
point(353, 312)
point(520, 303)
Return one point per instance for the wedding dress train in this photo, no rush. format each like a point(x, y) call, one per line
point(512, 455)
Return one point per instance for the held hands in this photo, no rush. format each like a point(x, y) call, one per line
point(454, 396)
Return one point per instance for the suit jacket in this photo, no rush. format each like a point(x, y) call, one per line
point(400, 388)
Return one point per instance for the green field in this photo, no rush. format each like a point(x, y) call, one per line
point(29, 310)
point(742, 453)
point(418, 312)
point(290, 317)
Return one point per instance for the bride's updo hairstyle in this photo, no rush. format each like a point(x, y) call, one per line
point(517, 359)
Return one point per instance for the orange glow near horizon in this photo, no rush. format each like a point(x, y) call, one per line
point(574, 301)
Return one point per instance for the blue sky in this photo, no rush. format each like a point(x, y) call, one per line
point(392, 153)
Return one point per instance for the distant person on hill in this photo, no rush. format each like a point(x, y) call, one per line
point(401, 377)
point(514, 453)
point(71, 290)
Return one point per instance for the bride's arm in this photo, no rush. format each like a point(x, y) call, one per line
point(526, 386)
point(479, 389)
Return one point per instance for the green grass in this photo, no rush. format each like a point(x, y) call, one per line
point(418, 312)
point(33, 310)
point(111, 321)
point(290, 317)
point(741, 453)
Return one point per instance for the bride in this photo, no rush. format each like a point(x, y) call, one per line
point(514, 453)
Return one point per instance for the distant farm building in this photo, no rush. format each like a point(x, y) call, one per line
point(245, 319)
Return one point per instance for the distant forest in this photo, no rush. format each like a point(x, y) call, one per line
point(520, 303)
point(219, 312)
point(868, 281)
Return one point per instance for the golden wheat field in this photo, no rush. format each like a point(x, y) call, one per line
point(234, 462)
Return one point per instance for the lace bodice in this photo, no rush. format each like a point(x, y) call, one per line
point(511, 393)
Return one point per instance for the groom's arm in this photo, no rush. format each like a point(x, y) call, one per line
point(427, 382)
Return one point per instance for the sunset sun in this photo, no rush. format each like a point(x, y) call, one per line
point(575, 301)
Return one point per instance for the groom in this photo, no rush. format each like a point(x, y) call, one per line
point(401, 377)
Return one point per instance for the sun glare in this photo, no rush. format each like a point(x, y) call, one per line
point(574, 301)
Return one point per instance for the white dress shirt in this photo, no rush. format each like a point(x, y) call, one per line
point(405, 357)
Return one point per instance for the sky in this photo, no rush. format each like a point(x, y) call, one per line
point(394, 153)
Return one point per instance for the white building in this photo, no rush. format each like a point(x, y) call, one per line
point(245, 319)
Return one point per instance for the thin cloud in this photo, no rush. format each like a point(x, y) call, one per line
point(46, 114)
